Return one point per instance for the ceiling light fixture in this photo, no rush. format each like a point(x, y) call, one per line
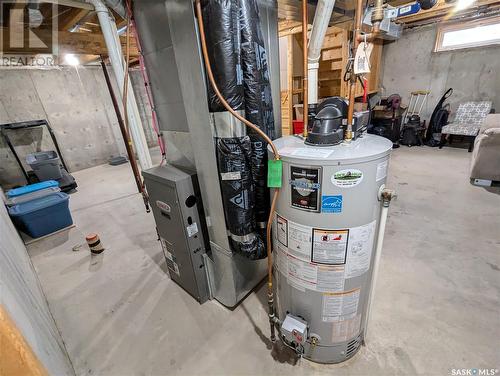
point(463, 4)
point(72, 60)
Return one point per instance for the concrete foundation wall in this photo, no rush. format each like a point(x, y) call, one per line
point(78, 107)
point(22, 297)
point(410, 64)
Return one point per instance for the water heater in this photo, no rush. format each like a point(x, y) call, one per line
point(324, 237)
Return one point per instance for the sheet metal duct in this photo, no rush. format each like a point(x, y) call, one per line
point(169, 37)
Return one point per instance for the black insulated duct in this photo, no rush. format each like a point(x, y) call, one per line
point(234, 159)
point(258, 102)
point(239, 62)
point(257, 87)
point(222, 26)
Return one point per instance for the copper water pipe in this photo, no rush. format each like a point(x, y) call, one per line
point(370, 37)
point(208, 67)
point(352, 82)
point(377, 17)
point(126, 138)
point(305, 81)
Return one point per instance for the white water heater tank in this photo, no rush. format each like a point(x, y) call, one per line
point(324, 237)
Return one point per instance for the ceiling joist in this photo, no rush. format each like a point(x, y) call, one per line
point(86, 43)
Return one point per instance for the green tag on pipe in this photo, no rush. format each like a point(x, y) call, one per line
point(274, 173)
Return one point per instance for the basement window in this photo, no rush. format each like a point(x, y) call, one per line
point(468, 34)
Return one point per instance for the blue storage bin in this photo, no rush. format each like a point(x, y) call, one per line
point(31, 188)
point(31, 196)
point(43, 215)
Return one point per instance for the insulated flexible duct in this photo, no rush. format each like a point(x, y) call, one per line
point(270, 293)
point(238, 193)
point(223, 44)
point(258, 102)
point(257, 88)
point(242, 162)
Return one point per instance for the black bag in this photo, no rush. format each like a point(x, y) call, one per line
point(411, 132)
point(410, 137)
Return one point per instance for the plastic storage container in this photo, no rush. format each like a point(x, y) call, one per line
point(31, 188)
point(31, 196)
point(43, 215)
point(45, 164)
point(31, 191)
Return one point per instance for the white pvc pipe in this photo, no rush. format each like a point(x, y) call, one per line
point(113, 45)
point(322, 17)
point(376, 263)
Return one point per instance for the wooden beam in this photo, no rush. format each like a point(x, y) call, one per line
point(444, 9)
point(293, 30)
point(90, 44)
point(84, 43)
point(73, 18)
point(289, 73)
point(71, 3)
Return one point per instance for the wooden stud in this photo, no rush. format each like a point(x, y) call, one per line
point(289, 72)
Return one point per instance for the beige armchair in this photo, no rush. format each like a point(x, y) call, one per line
point(485, 166)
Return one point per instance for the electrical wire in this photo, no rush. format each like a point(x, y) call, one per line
point(267, 139)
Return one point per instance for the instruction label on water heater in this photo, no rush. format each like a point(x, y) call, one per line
point(340, 306)
point(329, 246)
point(299, 240)
point(346, 329)
point(382, 170)
point(302, 274)
point(282, 230)
point(359, 251)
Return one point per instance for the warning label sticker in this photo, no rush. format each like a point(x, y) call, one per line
point(346, 329)
point(282, 230)
point(340, 306)
point(303, 274)
point(330, 278)
point(382, 170)
point(330, 246)
point(281, 261)
point(299, 240)
point(169, 257)
point(360, 249)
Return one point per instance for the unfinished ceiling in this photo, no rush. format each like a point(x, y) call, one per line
point(80, 34)
point(78, 28)
point(291, 11)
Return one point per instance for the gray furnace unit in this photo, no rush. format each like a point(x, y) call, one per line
point(169, 40)
point(176, 202)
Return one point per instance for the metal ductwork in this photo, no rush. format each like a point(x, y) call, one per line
point(118, 6)
point(201, 136)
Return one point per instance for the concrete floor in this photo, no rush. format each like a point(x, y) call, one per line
point(436, 306)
